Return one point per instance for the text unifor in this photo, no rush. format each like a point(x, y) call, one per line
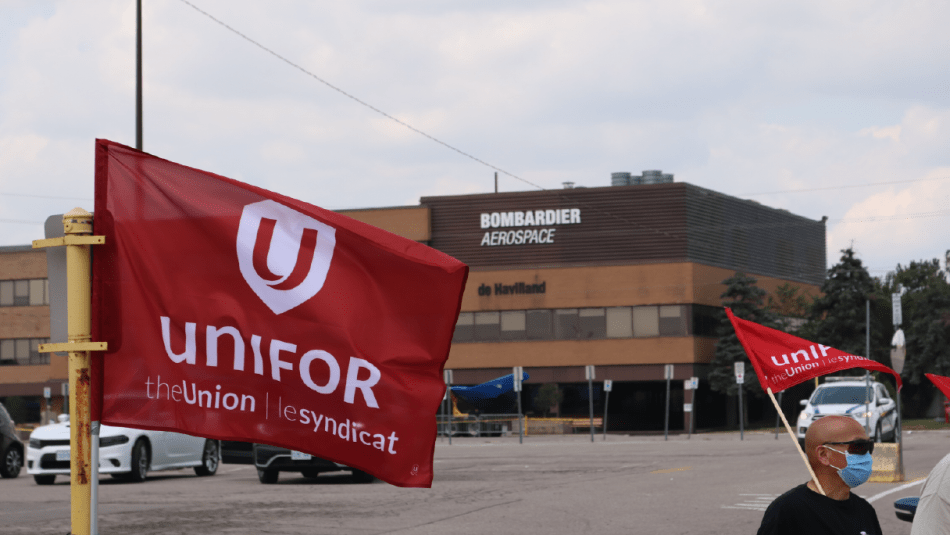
point(308, 360)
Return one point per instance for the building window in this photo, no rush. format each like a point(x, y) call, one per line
point(646, 322)
point(706, 320)
point(513, 325)
point(487, 327)
point(619, 322)
point(24, 292)
point(464, 327)
point(566, 324)
point(672, 321)
point(574, 323)
point(538, 324)
point(22, 351)
point(593, 323)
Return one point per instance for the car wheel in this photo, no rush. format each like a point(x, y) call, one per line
point(44, 480)
point(267, 476)
point(139, 461)
point(360, 476)
point(12, 462)
point(310, 473)
point(209, 459)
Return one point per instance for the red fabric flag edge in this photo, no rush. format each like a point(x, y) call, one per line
point(756, 359)
point(942, 383)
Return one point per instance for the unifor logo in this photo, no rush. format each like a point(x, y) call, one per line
point(283, 254)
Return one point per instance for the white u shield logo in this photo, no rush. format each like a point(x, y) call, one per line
point(283, 254)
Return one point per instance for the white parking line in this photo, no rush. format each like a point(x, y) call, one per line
point(876, 497)
point(753, 502)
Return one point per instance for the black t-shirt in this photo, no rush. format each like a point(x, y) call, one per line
point(804, 511)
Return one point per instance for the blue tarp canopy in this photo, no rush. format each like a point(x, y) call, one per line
point(489, 390)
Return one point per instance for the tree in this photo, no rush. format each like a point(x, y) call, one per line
point(747, 301)
point(837, 317)
point(548, 396)
point(790, 305)
point(926, 312)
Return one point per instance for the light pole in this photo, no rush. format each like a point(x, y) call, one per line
point(898, 353)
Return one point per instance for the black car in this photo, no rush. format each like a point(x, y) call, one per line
point(10, 446)
point(272, 460)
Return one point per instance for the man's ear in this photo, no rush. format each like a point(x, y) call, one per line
point(823, 455)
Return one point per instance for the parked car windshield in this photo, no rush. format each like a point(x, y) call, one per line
point(841, 394)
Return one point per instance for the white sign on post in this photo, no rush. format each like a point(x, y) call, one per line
point(687, 407)
point(740, 373)
point(668, 371)
point(447, 375)
point(695, 382)
point(519, 376)
point(46, 392)
point(687, 384)
point(896, 307)
point(608, 385)
point(589, 373)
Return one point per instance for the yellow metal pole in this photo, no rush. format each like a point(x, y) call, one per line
point(79, 298)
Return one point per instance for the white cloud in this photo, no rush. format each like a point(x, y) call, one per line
point(738, 96)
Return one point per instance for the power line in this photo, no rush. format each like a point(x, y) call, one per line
point(357, 100)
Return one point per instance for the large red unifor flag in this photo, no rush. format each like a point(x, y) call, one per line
point(782, 360)
point(942, 383)
point(235, 313)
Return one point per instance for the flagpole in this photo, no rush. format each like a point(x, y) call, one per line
point(83, 487)
point(795, 440)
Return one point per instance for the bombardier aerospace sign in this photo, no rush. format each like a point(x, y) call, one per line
point(526, 218)
point(235, 313)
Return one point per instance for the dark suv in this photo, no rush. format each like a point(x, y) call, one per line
point(10, 446)
point(271, 460)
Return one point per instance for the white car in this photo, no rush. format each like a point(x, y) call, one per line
point(869, 405)
point(123, 452)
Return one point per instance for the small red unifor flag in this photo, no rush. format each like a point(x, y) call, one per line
point(782, 360)
point(235, 313)
point(941, 382)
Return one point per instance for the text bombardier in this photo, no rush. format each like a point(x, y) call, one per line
point(355, 366)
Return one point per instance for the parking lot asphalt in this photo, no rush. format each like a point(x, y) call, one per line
point(709, 483)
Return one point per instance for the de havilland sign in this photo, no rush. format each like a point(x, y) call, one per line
point(235, 313)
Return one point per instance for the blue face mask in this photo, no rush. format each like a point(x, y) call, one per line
point(858, 469)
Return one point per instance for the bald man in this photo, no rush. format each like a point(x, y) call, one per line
point(839, 452)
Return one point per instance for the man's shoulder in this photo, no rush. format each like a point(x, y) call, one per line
point(795, 494)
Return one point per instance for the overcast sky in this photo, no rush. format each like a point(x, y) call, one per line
point(837, 109)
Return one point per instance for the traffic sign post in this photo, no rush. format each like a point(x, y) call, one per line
point(518, 377)
point(668, 375)
point(898, 353)
point(740, 379)
point(690, 385)
point(589, 373)
point(688, 407)
point(608, 386)
point(447, 375)
point(896, 308)
point(46, 395)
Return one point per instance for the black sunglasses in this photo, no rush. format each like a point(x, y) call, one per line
point(858, 446)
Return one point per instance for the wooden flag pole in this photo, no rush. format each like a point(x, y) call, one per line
point(795, 440)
